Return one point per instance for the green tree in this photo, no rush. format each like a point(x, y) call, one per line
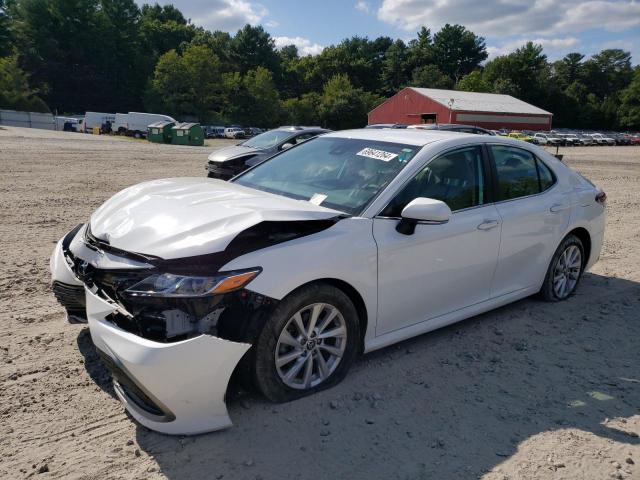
point(6, 36)
point(521, 73)
point(608, 71)
point(82, 54)
point(263, 106)
point(393, 74)
point(219, 43)
point(123, 56)
point(569, 69)
point(187, 85)
point(162, 13)
point(357, 57)
point(456, 51)
point(252, 99)
point(303, 110)
point(630, 104)
point(253, 47)
point(429, 76)
point(420, 50)
point(344, 106)
point(15, 92)
point(290, 81)
point(163, 28)
point(474, 82)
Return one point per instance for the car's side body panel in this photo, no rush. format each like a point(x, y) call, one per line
point(344, 252)
point(437, 269)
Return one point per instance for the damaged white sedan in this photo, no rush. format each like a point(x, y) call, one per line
point(345, 243)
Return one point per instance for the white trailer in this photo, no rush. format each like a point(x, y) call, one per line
point(138, 122)
point(121, 124)
point(97, 119)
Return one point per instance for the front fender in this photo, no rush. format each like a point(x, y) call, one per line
point(346, 252)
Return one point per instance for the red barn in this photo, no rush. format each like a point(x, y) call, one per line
point(488, 110)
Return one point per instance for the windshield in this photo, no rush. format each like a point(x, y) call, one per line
point(340, 173)
point(267, 139)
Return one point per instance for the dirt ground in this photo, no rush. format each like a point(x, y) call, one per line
point(530, 391)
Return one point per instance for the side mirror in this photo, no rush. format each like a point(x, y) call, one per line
point(427, 210)
point(286, 146)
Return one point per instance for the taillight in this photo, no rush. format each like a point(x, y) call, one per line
point(601, 198)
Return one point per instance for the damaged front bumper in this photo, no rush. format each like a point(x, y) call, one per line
point(173, 387)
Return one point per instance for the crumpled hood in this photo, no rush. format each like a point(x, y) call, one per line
point(183, 217)
point(228, 153)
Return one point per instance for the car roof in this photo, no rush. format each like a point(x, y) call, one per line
point(415, 136)
point(453, 125)
point(290, 128)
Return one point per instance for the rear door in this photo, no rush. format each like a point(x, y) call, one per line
point(443, 267)
point(534, 210)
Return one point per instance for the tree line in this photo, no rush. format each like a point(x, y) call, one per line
point(70, 56)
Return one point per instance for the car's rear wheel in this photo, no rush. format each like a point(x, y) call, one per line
point(308, 344)
point(565, 270)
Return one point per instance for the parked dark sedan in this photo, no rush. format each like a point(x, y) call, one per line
point(230, 161)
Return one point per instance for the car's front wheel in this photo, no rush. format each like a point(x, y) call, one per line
point(308, 344)
point(565, 270)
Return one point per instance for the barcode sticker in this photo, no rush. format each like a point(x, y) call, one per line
point(377, 154)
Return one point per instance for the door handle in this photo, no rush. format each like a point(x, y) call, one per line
point(488, 224)
point(556, 208)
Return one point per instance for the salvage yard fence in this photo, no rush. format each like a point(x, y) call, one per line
point(13, 118)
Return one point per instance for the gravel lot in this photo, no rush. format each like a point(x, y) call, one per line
point(531, 390)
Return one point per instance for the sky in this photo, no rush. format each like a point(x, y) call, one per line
point(560, 26)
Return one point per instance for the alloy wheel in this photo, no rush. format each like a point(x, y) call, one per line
point(567, 271)
point(311, 346)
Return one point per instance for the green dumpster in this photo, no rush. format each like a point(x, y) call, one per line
point(160, 132)
point(187, 134)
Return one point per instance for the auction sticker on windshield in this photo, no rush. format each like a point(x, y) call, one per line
point(377, 154)
point(317, 198)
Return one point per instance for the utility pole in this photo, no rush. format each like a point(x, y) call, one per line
point(451, 107)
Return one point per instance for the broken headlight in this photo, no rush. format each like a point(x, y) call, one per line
point(187, 286)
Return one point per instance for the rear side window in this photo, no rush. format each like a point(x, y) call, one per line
point(519, 173)
point(546, 176)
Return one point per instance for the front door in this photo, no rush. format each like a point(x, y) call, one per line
point(439, 268)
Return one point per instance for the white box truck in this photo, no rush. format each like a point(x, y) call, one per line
point(138, 122)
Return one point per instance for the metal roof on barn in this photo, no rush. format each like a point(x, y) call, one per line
point(479, 102)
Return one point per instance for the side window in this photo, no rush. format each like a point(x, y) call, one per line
point(303, 137)
point(520, 173)
point(456, 178)
point(516, 171)
point(547, 179)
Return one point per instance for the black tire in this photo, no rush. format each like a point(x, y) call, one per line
point(265, 375)
point(547, 292)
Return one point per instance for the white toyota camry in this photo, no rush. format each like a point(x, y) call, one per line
point(343, 244)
